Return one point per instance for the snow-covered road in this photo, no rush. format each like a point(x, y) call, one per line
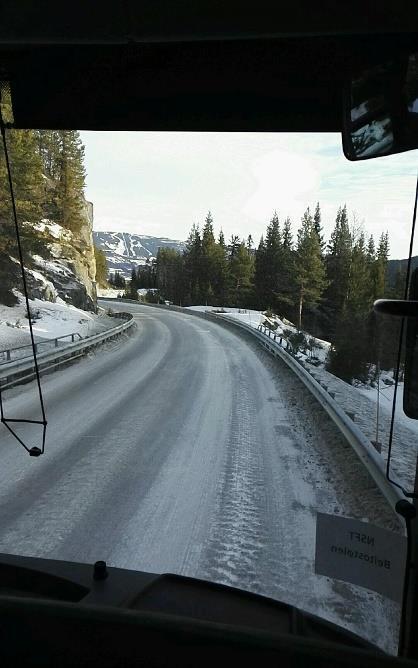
point(185, 448)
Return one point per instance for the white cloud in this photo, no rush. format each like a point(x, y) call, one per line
point(161, 183)
point(285, 181)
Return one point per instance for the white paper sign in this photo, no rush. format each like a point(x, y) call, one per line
point(360, 553)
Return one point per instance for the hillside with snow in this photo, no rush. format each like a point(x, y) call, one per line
point(61, 288)
point(124, 250)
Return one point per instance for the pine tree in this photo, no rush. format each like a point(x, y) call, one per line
point(192, 258)
point(261, 285)
point(380, 267)
point(272, 261)
point(69, 190)
point(287, 239)
point(310, 276)
point(101, 267)
point(170, 275)
point(317, 218)
point(359, 296)
point(352, 356)
point(208, 260)
point(338, 265)
point(26, 170)
point(221, 273)
point(241, 271)
point(286, 290)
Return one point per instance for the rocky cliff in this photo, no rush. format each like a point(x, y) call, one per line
point(70, 270)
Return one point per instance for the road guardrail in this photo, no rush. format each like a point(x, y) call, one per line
point(362, 446)
point(24, 369)
point(7, 354)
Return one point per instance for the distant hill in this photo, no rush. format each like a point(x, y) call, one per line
point(124, 250)
point(394, 265)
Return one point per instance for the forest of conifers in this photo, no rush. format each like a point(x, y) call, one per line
point(325, 288)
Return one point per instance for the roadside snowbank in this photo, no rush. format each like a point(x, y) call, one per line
point(109, 292)
point(358, 400)
point(50, 320)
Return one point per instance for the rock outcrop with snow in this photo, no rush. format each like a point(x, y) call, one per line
point(70, 271)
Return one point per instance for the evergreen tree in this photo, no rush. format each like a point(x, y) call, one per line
point(317, 218)
point(261, 285)
point(26, 170)
point(371, 250)
point(351, 355)
point(241, 271)
point(287, 239)
point(286, 290)
point(117, 280)
point(101, 267)
point(132, 286)
point(192, 257)
point(69, 189)
point(310, 276)
point(338, 265)
point(380, 267)
point(208, 260)
point(221, 273)
point(48, 180)
point(359, 294)
point(170, 275)
point(272, 261)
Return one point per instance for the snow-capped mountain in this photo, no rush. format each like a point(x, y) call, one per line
point(124, 250)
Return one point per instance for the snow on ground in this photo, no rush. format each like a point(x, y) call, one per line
point(109, 292)
point(52, 266)
point(359, 400)
point(51, 320)
point(362, 402)
point(385, 398)
point(55, 230)
point(221, 466)
point(250, 317)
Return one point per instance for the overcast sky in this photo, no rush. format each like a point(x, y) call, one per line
point(160, 183)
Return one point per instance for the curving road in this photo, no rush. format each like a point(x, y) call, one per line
point(185, 448)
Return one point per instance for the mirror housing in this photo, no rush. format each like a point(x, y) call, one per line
point(380, 114)
point(407, 309)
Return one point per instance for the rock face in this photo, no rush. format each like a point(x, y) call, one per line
point(124, 250)
point(71, 271)
point(81, 258)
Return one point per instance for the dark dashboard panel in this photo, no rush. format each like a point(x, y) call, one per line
point(171, 595)
point(130, 618)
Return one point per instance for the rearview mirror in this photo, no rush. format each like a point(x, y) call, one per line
point(410, 390)
point(381, 110)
